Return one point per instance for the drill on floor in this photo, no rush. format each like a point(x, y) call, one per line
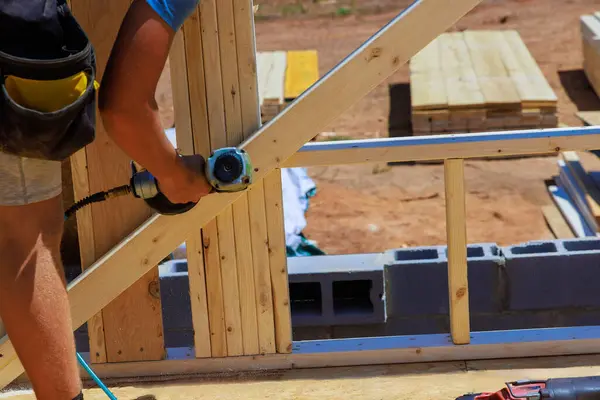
point(581, 388)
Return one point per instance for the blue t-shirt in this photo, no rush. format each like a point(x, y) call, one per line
point(174, 12)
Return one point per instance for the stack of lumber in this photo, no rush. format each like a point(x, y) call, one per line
point(283, 76)
point(476, 81)
point(576, 199)
point(590, 34)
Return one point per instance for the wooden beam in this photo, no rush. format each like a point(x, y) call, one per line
point(129, 336)
point(85, 230)
point(516, 344)
point(187, 77)
point(275, 142)
point(441, 147)
point(267, 325)
point(458, 284)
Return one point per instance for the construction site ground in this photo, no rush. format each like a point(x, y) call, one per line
point(356, 210)
point(429, 381)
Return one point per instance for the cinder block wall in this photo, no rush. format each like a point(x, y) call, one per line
point(405, 291)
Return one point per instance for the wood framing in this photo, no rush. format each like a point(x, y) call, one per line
point(268, 148)
point(239, 246)
point(374, 351)
point(116, 334)
point(458, 284)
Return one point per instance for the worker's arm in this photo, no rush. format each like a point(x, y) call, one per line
point(127, 95)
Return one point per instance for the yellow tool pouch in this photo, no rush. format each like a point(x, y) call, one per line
point(47, 80)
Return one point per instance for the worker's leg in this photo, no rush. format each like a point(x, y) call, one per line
point(33, 299)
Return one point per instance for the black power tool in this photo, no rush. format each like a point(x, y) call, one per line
point(583, 388)
point(227, 170)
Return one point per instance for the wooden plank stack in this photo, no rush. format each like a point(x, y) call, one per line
point(476, 81)
point(283, 76)
point(590, 34)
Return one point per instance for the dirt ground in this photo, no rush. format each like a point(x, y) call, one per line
point(356, 210)
point(427, 381)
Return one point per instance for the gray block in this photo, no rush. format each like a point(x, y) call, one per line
point(336, 289)
point(175, 303)
point(553, 274)
point(416, 280)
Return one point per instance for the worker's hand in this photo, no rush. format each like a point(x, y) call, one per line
point(185, 181)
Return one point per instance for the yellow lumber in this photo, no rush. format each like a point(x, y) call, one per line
point(302, 71)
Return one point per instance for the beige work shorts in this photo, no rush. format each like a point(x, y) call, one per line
point(26, 180)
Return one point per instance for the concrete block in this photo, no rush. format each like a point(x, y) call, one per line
point(417, 325)
point(416, 280)
point(175, 303)
point(336, 289)
point(553, 274)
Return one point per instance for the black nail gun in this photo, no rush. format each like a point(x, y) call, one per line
point(583, 388)
point(227, 170)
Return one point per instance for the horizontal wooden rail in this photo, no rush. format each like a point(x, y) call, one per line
point(442, 147)
point(370, 351)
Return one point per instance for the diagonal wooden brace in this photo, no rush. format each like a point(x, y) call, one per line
point(353, 78)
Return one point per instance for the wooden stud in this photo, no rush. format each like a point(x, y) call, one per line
point(213, 242)
point(250, 119)
point(85, 233)
point(458, 285)
point(128, 336)
point(187, 77)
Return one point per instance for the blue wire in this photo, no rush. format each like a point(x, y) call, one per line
point(92, 374)
point(95, 377)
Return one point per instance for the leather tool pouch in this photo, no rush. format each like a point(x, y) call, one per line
point(40, 40)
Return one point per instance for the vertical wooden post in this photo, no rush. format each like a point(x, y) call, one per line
point(128, 335)
point(239, 273)
point(458, 286)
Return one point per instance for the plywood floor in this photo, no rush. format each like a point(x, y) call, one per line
point(439, 381)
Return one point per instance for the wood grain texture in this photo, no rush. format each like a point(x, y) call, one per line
point(427, 86)
point(278, 262)
point(496, 85)
point(233, 224)
point(128, 336)
point(187, 77)
point(213, 242)
point(87, 251)
point(250, 120)
point(458, 284)
point(533, 88)
point(462, 87)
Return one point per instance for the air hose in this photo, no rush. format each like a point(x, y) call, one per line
point(96, 198)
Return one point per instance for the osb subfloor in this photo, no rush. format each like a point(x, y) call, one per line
point(439, 381)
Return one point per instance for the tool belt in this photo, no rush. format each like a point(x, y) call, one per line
point(47, 80)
